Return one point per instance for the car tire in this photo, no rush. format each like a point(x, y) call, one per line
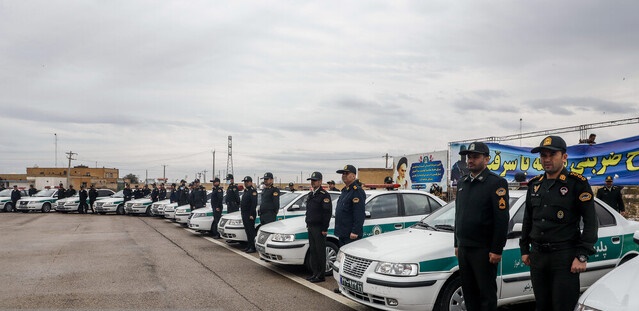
point(331, 255)
point(148, 212)
point(46, 207)
point(450, 296)
point(8, 207)
point(119, 210)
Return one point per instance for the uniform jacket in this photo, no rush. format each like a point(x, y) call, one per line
point(83, 195)
point(270, 200)
point(127, 193)
point(175, 194)
point(481, 212)
point(61, 193)
point(138, 194)
point(216, 198)
point(154, 194)
point(15, 195)
point(232, 195)
point(554, 209)
point(350, 213)
point(93, 194)
point(612, 197)
point(162, 194)
point(183, 196)
point(32, 191)
point(248, 205)
point(319, 209)
point(70, 193)
point(199, 197)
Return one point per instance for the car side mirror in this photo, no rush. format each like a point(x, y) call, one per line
point(295, 207)
point(635, 237)
point(516, 231)
point(368, 214)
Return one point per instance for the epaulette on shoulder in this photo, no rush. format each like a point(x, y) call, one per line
point(578, 176)
point(538, 177)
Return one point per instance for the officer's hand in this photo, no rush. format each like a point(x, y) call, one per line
point(251, 217)
point(525, 259)
point(577, 266)
point(353, 236)
point(456, 251)
point(324, 233)
point(624, 214)
point(494, 258)
point(217, 209)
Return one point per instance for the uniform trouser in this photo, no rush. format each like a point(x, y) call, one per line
point(232, 207)
point(14, 205)
point(267, 217)
point(249, 228)
point(555, 287)
point(216, 221)
point(317, 250)
point(91, 203)
point(478, 278)
point(82, 209)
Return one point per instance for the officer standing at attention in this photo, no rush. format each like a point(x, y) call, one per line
point(291, 187)
point(248, 208)
point(127, 193)
point(481, 225)
point(556, 202)
point(174, 193)
point(183, 194)
point(612, 196)
point(137, 193)
point(232, 195)
point(199, 195)
point(70, 192)
point(15, 196)
point(93, 195)
point(162, 193)
point(155, 193)
point(216, 205)
point(83, 207)
point(270, 205)
point(62, 193)
point(331, 186)
point(32, 190)
point(319, 209)
point(350, 213)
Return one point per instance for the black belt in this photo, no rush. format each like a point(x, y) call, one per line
point(551, 247)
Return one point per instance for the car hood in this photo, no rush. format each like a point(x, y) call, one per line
point(71, 199)
point(140, 200)
point(407, 245)
point(37, 199)
point(110, 200)
point(615, 290)
point(234, 215)
point(289, 226)
point(202, 210)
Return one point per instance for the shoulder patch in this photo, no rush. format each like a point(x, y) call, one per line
point(562, 177)
point(578, 176)
point(327, 200)
point(502, 203)
point(501, 192)
point(254, 193)
point(322, 192)
point(276, 194)
point(585, 197)
point(354, 187)
point(355, 200)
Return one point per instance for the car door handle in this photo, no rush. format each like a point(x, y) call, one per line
point(399, 226)
point(615, 240)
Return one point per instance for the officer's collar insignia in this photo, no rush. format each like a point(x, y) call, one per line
point(502, 203)
point(584, 197)
point(254, 193)
point(547, 141)
point(563, 190)
point(560, 214)
point(480, 178)
point(219, 190)
point(276, 194)
point(562, 177)
point(501, 192)
point(536, 188)
point(354, 187)
point(355, 200)
point(460, 189)
point(326, 200)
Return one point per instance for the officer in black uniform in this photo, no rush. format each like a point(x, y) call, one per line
point(217, 197)
point(155, 193)
point(145, 190)
point(93, 195)
point(270, 205)
point(199, 195)
point(248, 208)
point(83, 207)
point(481, 225)
point(162, 192)
point(137, 192)
point(389, 181)
point(174, 193)
point(15, 196)
point(319, 209)
point(127, 193)
point(62, 193)
point(612, 196)
point(232, 195)
point(291, 187)
point(350, 212)
point(556, 202)
point(70, 192)
point(331, 186)
point(183, 194)
point(32, 190)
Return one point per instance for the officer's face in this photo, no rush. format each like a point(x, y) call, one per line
point(316, 183)
point(268, 182)
point(552, 160)
point(348, 178)
point(477, 162)
point(248, 184)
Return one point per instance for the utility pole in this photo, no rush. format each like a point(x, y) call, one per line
point(56, 149)
point(70, 157)
point(146, 176)
point(204, 175)
point(213, 170)
point(229, 159)
point(386, 156)
point(164, 171)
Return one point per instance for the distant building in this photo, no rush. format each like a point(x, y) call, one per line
point(43, 177)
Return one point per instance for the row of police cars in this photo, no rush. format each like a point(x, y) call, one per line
point(406, 259)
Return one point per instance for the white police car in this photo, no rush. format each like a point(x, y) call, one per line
point(169, 210)
point(139, 206)
point(157, 208)
point(5, 199)
point(72, 204)
point(42, 201)
point(616, 290)
point(286, 241)
point(182, 214)
point(112, 204)
point(416, 268)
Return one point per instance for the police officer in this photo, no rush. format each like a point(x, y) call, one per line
point(162, 192)
point(318, 215)
point(199, 195)
point(389, 181)
point(137, 193)
point(270, 205)
point(174, 193)
point(331, 186)
point(70, 192)
point(145, 190)
point(556, 202)
point(155, 193)
point(93, 195)
point(62, 193)
point(612, 196)
point(291, 187)
point(15, 196)
point(83, 207)
point(217, 197)
point(183, 193)
point(32, 190)
point(127, 193)
point(248, 208)
point(350, 213)
point(232, 195)
point(481, 225)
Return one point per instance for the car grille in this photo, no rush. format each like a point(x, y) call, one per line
point(24, 203)
point(223, 222)
point(367, 297)
point(129, 205)
point(99, 204)
point(355, 266)
point(263, 237)
point(60, 203)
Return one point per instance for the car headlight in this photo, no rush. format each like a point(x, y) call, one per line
point(340, 256)
point(584, 307)
point(235, 222)
point(197, 215)
point(137, 205)
point(280, 237)
point(397, 269)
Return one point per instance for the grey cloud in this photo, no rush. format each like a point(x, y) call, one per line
point(574, 105)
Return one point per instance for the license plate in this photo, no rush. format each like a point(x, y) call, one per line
point(352, 284)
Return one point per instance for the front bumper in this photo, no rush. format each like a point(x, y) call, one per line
point(233, 233)
point(287, 253)
point(182, 218)
point(200, 223)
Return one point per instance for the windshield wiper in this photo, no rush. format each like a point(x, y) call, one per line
point(445, 227)
point(425, 225)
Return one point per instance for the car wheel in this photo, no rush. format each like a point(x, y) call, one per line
point(120, 210)
point(8, 207)
point(148, 211)
point(451, 296)
point(46, 207)
point(331, 255)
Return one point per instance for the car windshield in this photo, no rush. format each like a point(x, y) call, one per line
point(286, 199)
point(5, 193)
point(45, 193)
point(118, 194)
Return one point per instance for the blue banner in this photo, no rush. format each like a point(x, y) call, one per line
point(619, 159)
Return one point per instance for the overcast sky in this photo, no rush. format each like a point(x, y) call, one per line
point(302, 85)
